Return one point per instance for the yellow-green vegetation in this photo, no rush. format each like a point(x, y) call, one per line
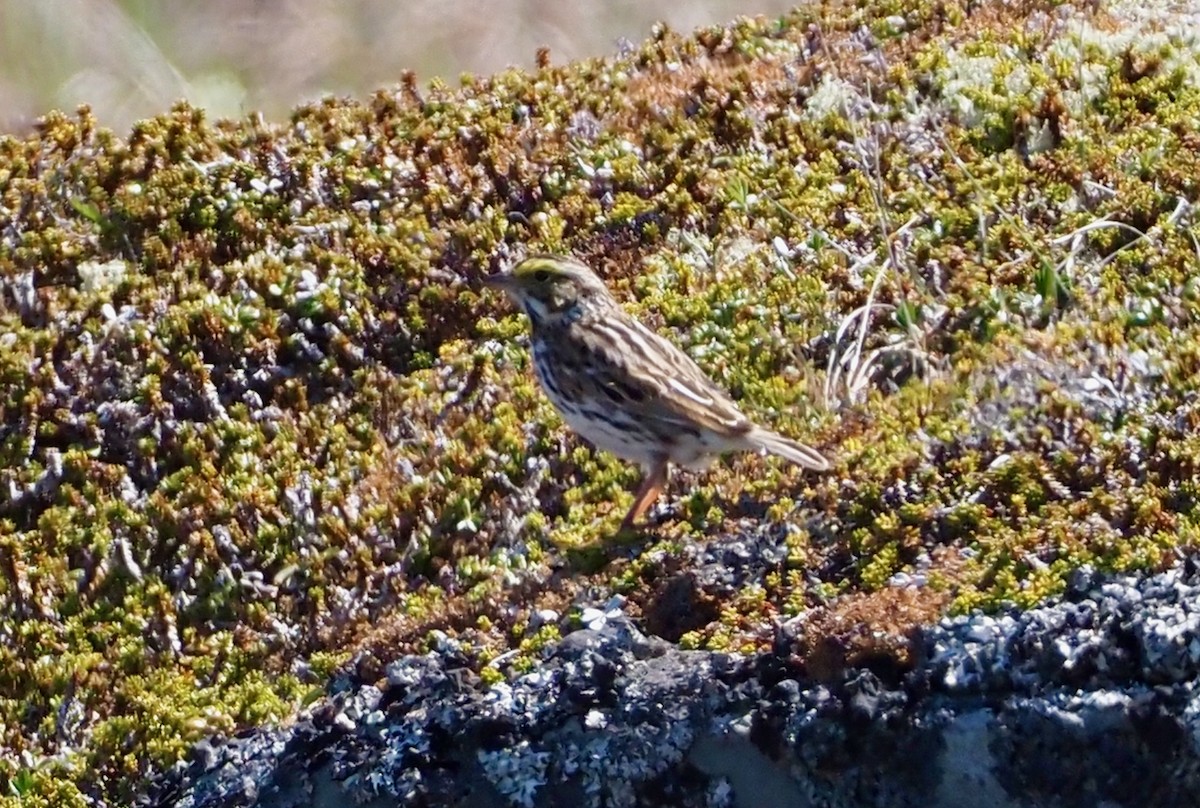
point(258, 414)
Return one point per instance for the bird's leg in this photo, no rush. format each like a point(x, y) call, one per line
point(652, 485)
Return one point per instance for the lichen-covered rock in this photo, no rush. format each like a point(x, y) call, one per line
point(1000, 709)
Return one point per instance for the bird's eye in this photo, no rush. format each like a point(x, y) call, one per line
point(541, 276)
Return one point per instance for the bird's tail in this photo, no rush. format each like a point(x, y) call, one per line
point(789, 449)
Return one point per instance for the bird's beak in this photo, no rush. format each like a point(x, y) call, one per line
point(500, 280)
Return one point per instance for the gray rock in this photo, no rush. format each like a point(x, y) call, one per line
point(1088, 701)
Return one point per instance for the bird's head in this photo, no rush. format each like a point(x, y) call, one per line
point(551, 288)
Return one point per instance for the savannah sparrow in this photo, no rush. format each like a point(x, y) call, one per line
point(623, 387)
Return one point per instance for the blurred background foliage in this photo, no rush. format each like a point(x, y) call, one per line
point(131, 59)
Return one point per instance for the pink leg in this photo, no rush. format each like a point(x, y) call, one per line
point(651, 487)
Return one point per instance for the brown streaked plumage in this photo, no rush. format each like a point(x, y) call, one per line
point(624, 388)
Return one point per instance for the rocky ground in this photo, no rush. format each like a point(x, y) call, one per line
point(1088, 701)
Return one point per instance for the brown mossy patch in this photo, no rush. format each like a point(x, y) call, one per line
point(874, 630)
point(677, 603)
point(482, 626)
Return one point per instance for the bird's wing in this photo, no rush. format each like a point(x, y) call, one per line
point(654, 380)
